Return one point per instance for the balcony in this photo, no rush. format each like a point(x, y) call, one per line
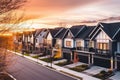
point(82, 48)
point(97, 51)
point(100, 51)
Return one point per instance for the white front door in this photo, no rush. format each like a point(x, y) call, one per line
point(118, 47)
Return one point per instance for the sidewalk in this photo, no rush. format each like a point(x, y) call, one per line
point(116, 76)
point(84, 76)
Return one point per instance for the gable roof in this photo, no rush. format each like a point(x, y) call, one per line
point(61, 33)
point(37, 32)
point(117, 37)
point(76, 29)
point(54, 31)
point(84, 34)
point(111, 29)
point(41, 32)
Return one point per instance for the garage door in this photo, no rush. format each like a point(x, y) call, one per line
point(103, 62)
point(83, 58)
point(118, 65)
point(67, 56)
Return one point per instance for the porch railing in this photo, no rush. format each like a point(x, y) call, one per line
point(98, 51)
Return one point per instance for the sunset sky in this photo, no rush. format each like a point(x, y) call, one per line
point(51, 13)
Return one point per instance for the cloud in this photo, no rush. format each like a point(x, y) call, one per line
point(100, 20)
point(53, 7)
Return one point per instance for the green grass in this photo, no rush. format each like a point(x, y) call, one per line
point(26, 54)
point(80, 68)
point(46, 60)
point(35, 56)
point(63, 63)
point(104, 74)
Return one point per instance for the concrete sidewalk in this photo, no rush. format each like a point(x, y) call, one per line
point(116, 76)
point(74, 64)
point(95, 70)
point(84, 76)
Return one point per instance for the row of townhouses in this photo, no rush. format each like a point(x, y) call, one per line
point(95, 45)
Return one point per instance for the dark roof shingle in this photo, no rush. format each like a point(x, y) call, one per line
point(111, 28)
point(85, 32)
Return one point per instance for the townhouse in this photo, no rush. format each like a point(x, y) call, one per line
point(83, 46)
point(28, 41)
point(51, 41)
point(40, 41)
point(69, 41)
point(106, 44)
point(57, 48)
point(17, 38)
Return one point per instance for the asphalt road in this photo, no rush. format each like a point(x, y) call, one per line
point(24, 69)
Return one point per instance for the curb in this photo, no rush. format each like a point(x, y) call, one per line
point(12, 76)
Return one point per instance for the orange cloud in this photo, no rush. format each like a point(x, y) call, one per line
point(52, 7)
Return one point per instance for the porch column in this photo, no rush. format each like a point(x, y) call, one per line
point(89, 60)
point(115, 61)
point(111, 60)
point(92, 59)
point(71, 56)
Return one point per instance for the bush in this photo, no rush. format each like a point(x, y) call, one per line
point(104, 74)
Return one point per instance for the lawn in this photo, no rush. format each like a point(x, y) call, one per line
point(63, 63)
point(104, 74)
point(46, 60)
point(80, 68)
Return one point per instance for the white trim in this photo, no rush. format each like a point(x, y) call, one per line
point(106, 34)
point(71, 33)
point(65, 33)
point(118, 46)
point(95, 34)
point(116, 33)
point(101, 30)
point(58, 32)
point(80, 30)
point(95, 28)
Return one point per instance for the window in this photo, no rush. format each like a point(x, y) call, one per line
point(78, 44)
point(91, 44)
point(68, 43)
point(103, 46)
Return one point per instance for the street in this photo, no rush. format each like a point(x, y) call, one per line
point(24, 69)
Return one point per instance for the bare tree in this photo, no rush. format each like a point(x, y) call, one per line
point(8, 16)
